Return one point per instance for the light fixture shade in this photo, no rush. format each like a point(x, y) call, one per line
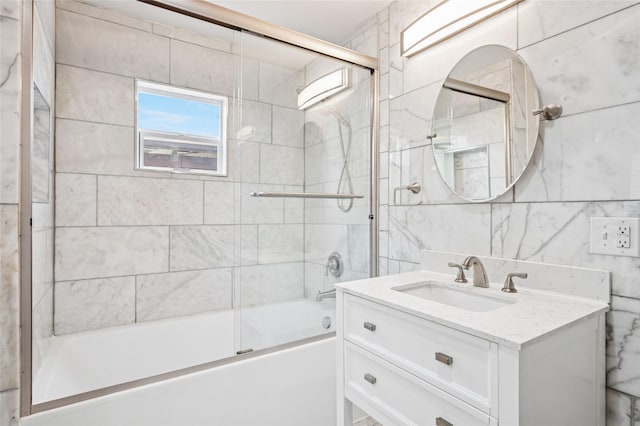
point(324, 87)
point(447, 19)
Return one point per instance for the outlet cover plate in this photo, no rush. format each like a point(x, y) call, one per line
point(615, 236)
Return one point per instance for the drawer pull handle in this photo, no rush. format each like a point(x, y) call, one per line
point(444, 358)
point(370, 326)
point(370, 378)
point(442, 422)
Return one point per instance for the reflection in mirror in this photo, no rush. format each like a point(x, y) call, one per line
point(483, 135)
point(40, 156)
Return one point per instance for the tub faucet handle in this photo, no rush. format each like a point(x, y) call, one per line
point(334, 265)
point(460, 278)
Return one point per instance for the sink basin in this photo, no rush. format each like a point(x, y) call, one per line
point(459, 298)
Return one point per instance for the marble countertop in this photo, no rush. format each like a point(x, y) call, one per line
point(534, 315)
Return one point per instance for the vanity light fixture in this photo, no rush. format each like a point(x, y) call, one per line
point(324, 87)
point(446, 20)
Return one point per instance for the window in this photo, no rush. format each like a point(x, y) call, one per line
point(180, 130)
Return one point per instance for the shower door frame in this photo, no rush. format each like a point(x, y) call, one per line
point(217, 15)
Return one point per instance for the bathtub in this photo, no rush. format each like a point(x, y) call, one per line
point(291, 386)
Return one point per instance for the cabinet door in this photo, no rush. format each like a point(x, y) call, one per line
point(394, 396)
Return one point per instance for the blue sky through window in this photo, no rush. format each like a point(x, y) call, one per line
point(163, 113)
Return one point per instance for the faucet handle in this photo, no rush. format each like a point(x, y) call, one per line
point(460, 278)
point(509, 287)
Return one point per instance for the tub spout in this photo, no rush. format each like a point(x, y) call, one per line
point(328, 294)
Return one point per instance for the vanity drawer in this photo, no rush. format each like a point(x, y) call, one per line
point(394, 396)
point(461, 364)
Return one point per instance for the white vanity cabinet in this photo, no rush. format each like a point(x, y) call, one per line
point(404, 365)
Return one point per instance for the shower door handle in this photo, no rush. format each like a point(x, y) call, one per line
point(414, 188)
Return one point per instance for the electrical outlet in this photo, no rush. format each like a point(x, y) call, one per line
point(623, 243)
point(623, 238)
point(616, 236)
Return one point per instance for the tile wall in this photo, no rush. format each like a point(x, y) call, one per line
point(137, 246)
point(333, 130)
point(10, 67)
point(583, 55)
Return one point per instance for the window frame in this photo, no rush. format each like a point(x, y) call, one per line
point(148, 87)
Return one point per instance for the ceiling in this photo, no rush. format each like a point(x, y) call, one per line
point(330, 20)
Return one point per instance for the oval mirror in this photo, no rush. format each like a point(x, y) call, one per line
point(483, 131)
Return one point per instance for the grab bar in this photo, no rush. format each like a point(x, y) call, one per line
point(304, 195)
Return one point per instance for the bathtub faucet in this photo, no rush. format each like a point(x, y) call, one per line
point(328, 294)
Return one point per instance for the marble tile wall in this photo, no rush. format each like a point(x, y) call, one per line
point(151, 245)
point(9, 315)
point(9, 407)
point(583, 56)
point(9, 257)
point(331, 131)
point(9, 106)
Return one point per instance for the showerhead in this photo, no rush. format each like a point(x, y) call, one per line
point(341, 119)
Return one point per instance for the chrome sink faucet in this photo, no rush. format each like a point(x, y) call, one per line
point(479, 273)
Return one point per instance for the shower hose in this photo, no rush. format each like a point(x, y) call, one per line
point(345, 185)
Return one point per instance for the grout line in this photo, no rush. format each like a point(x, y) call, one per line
point(599, 109)
point(100, 71)
point(628, 298)
point(135, 299)
point(258, 244)
point(170, 57)
point(576, 27)
point(633, 200)
point(160, 225)
point(110, 21)
point(491, 213)
point(231, 267)
point(518, 13)
point(56, 118)
point(97, 200)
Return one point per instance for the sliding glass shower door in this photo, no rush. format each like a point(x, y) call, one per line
point(209, 187)
point(303, 124)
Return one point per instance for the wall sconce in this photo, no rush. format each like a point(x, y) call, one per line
point(324, 87)
point(446, 20)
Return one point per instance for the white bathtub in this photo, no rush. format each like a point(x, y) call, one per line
point(291, 386)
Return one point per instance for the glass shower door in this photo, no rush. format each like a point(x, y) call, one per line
point(304, 130)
